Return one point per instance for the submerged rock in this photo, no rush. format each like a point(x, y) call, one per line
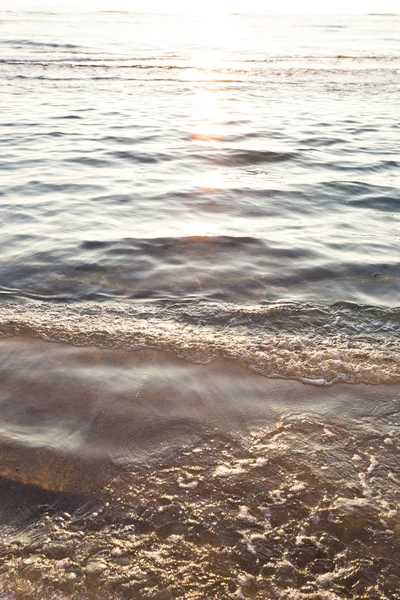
point(95, 569)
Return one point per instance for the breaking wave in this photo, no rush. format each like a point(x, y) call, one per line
point(309, 342)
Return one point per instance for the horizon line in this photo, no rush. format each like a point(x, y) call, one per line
point(51, 10)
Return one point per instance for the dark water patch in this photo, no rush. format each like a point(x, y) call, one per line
point(331, 27)
point(160, 246)
point(234, 122)
point(357, 188)
point(229, 268)
point(129, 140)
point(94, 244)
point(237, 157)
point(351, 271)
point(36, 187)
point(55, 134)
point(386, 204)
point(89, 161)
point(364, 129)
point(67, 117)
point(364, 196)
point(379, 166)
point(18, 164)
point(138, 157)
point(34, 44)
point(114, 199)
point(319, 141)
point(168, 242)
point(91, 267)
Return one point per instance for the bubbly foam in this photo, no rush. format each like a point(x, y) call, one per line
point(312, 343)
point(294, 526)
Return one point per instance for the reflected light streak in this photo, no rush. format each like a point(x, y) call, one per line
point(211, 181)
point(213, 39)
point(208, 133)
point(198, 229)
point(209, 129)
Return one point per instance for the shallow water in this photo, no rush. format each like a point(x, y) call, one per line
point(134, 474)
point(199, 311)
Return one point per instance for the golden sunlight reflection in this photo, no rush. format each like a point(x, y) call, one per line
point(210, 181)
point(209, 132)
point(199, 228)
point(213, 39)
point(209, 127)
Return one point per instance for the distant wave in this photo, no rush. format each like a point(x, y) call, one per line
point(33, 44)
point(234, 157)
point(316, 57)
point(89, 58)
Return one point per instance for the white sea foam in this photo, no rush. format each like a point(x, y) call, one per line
point(265, 341)
point(227, 471)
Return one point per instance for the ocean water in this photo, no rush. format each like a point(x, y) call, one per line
point(199, 306)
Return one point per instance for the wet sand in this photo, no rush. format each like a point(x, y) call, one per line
point(141, 475)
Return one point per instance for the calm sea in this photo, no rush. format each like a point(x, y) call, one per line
point(199, 306)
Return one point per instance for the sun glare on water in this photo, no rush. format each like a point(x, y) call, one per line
point(211, 8)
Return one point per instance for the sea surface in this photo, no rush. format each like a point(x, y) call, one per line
point(199, 306)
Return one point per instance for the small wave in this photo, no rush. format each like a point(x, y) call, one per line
point(180, 248)
point(33, 44)
point(164, 79)
point(90, 63)
point(114, 12)
point(234, 157)
point(129, 140)
point(376, 167)
point(137, 157)
point(89, 161)
point(308, 342)
point(34, 187)
point(73, 58)
point(323, 57)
